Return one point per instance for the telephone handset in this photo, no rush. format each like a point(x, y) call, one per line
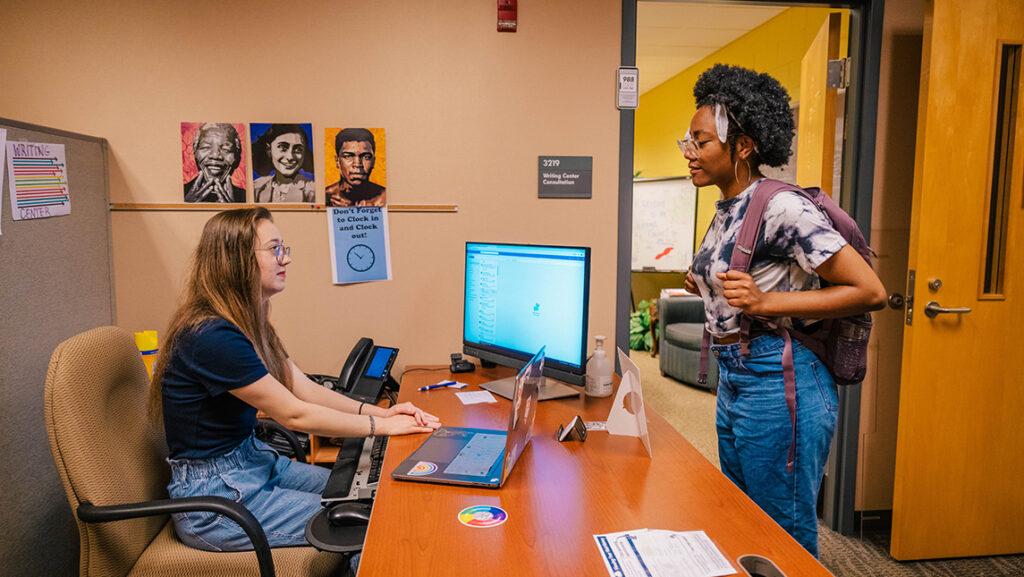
point(367, 371)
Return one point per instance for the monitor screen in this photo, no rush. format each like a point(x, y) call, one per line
point(519, 298)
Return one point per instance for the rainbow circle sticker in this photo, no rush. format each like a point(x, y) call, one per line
point(422, 468)
point(482, 516)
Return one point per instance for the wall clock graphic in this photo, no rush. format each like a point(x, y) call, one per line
point(360, 258)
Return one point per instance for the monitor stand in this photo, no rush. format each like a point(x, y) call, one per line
point(550, 389)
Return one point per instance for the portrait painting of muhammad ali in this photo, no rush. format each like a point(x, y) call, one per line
point(354, 167)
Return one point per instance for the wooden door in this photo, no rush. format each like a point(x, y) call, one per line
point(960, 442)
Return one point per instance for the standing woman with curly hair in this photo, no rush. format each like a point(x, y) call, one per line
point(743, 121)
point(223, 363)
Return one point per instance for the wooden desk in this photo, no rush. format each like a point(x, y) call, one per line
point(558, 496)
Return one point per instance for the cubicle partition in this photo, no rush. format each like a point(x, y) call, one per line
point(56, 280)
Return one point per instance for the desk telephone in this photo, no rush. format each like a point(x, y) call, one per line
point(365, 374)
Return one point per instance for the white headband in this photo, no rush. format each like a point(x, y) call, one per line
point(721, 122)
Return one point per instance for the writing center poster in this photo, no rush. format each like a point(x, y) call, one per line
point(38, 180)
point(360, 249)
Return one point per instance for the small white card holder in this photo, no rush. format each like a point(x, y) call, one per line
point(627, 416)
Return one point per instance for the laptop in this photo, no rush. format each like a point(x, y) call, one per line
point(479, 457)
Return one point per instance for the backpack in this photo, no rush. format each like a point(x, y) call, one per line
point(840, 343)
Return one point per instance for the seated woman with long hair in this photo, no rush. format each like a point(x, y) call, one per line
point(224, 362)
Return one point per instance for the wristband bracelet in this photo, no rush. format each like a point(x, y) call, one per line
point(373, 426)
point(360, 412)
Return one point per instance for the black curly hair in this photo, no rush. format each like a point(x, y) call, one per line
point(758, 107)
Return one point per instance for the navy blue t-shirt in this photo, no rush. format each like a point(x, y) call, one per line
point(201, 418)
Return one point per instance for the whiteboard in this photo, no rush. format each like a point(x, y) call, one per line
point(664, 217)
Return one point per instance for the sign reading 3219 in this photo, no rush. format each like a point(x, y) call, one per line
point(565, 176)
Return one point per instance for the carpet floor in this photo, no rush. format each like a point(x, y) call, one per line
point(691, 411)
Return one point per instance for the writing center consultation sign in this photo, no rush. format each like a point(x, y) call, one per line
point(565, 176)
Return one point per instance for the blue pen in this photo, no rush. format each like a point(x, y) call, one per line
point(437, 386)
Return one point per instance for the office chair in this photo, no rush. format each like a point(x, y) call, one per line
point(111, 460)
point(273, 433)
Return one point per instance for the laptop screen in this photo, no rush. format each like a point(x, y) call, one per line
point(523, 411)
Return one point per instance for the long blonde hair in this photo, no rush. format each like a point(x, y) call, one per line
point(224, 282)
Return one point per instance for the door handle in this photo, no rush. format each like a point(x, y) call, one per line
point(933, 310)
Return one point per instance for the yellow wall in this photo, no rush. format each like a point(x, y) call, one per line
point(775, 47)
point(467, 111)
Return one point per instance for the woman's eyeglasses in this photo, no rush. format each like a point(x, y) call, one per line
point(691, 146)
point(279, 251)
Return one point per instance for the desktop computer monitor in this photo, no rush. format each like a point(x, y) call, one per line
point(520, 297)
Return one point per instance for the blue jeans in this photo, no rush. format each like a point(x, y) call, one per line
point(282, 494)
point(755, 431)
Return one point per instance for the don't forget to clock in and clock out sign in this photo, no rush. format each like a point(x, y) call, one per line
point(360, 249)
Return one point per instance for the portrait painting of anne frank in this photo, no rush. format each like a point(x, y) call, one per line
point(282, 163)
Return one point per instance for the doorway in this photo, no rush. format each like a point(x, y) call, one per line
point(855, 154)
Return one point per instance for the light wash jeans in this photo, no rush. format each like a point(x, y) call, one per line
point(755, 431)
point(282, 494)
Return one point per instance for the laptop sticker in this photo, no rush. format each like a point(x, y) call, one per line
point(422, 468)
point(482, 516)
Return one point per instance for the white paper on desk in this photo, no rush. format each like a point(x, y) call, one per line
point(683, 553)
point(474, 397)
point(657, 553)
point(628, 416)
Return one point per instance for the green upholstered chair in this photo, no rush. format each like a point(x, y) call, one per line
point(680, 330)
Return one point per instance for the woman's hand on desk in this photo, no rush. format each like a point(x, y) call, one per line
point(421, 417)
point(404, 425)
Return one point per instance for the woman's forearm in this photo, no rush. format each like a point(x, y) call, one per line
point(854, 288)
point(320, 420)
point(826, 303)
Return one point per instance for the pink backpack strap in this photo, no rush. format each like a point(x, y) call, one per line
point(753, 222)
point(789, 376)
point(746, 242)
point(705, 344)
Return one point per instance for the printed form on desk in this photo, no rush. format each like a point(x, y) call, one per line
point(474, 397)
point(658, 553)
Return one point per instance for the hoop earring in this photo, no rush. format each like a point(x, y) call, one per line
point(736, 174)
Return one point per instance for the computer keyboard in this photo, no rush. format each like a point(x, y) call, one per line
point(380, 444)
point(356, 471)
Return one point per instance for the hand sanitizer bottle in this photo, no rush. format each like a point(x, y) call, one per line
point(599, 371)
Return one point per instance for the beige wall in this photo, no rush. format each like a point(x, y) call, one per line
point(467, 111)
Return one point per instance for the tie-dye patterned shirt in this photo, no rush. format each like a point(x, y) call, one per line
point(797, 239)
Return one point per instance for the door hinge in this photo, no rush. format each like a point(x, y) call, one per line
point(839, 73)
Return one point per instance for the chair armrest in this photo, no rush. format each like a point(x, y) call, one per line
point(329, 381)
point(269, 425)
point(684, 309)
point(90, 513)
